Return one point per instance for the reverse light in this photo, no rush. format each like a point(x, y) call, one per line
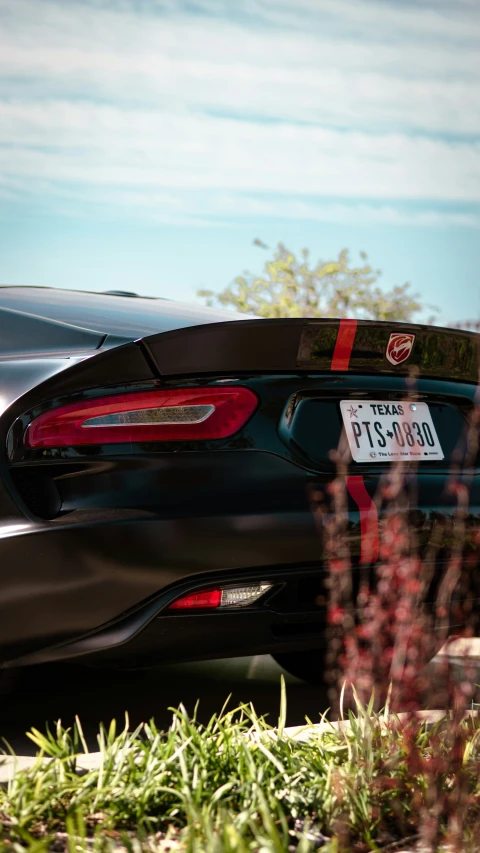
point(239, 596)
point(177, 414)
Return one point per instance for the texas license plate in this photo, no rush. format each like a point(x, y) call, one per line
point(380, 431)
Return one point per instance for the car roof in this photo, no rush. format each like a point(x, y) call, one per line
point(125, 316)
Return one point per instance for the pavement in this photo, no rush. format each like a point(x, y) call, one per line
point(47, 694)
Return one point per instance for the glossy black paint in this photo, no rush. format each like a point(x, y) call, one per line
point(305, 345)
point(104, 314)
point(95, 541)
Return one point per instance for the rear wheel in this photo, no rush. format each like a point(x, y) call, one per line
point(309, 665)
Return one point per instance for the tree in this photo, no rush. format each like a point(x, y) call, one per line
point(297, 288)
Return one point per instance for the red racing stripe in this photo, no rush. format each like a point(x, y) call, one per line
point(344, 345)
point(368, 519)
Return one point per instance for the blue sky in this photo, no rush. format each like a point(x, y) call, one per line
point(144, 144)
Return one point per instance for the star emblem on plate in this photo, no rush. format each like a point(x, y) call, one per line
point(352, 412)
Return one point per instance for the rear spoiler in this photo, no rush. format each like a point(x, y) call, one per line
point(363, 346)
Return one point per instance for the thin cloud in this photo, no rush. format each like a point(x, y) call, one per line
point(313, 75)
point(204, 208)
point(135, 97)
point(110, 146)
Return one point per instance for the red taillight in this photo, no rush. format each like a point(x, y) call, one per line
point(178, 414)
point(206, 598)
point(230, 596)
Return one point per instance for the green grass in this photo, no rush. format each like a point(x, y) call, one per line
point(238, 784)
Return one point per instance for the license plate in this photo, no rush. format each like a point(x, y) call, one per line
point(380, 431)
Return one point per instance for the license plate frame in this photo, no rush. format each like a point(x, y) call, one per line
point(380, 427)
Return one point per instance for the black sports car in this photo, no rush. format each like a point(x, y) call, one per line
point(159, 463)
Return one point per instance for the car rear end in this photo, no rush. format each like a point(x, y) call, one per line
point(178, 494)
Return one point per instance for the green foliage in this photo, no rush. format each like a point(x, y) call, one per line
point(292, 287)
point(237, 785)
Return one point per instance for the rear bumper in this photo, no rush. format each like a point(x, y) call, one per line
point(61, 583)
point(102, 591)
point(95, 580)
point(291, 615)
